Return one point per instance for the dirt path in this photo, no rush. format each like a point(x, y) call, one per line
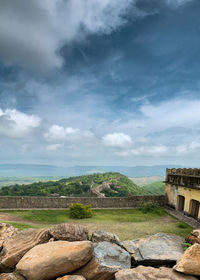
point(6, 217)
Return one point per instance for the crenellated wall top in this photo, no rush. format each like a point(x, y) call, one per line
point(183, 171)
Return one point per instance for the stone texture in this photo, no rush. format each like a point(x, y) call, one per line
point(71, 277)
point(194, 237)
point(190, 262)
point(15, 247)
point(100, 236)
point(108, 258)
point(11, 276)
point(54, 259)
point(69, 232)
point(157, 249)
point(6, 230)
point(151, 273)
point(30, 202)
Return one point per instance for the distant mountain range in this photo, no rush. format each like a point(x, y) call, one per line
point(51, 170)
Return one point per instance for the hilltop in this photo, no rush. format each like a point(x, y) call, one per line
point(110, 184)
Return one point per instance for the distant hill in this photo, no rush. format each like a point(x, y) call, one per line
point(51, 170)
point(155, 188)
point(111, 184)
point(142, 181)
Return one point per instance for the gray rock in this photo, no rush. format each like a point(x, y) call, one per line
point(100, 236)
point(108, 258)
point(69, 232)
point(155, 249)
point(151, 273)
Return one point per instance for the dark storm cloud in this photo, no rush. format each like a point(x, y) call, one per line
point(32, 32)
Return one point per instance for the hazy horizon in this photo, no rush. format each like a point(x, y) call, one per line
point(100, 82)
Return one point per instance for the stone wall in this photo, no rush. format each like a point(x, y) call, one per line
point(30, 202)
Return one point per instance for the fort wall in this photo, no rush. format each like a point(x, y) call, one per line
point(30, 202)
point(182, 188)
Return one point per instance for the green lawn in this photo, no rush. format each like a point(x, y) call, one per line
point(126, 223)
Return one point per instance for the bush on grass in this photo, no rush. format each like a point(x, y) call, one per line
point(182, 225)
point(79, 211)
point(152, 207)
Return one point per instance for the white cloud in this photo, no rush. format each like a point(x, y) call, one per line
point(14, 123)
point(150, 150)
point(117, 140)
point(54, 147)
point(165, 115)
point(188, 148)
point(58, 133)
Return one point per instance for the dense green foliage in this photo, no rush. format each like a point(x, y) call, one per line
point(155, 188)
point(152, 207)
point(119, 185)
point(80, 211)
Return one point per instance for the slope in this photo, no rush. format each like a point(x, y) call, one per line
point(100, 184)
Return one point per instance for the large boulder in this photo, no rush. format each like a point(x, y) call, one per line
point(151, 273)
point(157, 249)
point(194, 237)
point(71, 277)
point(11, 276)
point(54, 259)
point(100, 236)
point(69, 232)
point(190, 262)
point(15, 247)
point(6, 230)
point(108, 258)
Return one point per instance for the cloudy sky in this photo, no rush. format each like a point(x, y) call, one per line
point(100, 82)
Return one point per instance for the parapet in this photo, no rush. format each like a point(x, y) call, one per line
point(184, 171)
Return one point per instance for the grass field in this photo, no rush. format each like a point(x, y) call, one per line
point(126, 223)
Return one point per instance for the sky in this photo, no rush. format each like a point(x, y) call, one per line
point(100, 82)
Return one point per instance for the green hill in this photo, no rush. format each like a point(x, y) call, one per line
point(100, 184)
point(155, 188)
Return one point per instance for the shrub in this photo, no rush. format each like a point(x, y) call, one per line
point(151, 207)
point(182, 225)
point(79, 211)
point(186, 246)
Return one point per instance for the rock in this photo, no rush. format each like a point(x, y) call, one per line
point(15, 247)
point(6, 230)
point(11, 276)
point(157, 249)
point(54, 259)
point(151, 273)
point(190, 261)
point(194, 237)
point(69, 232)
point(71, 277)
point(100, 236)
point(108, 258)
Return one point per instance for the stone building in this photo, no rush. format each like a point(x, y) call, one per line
point(182, 188)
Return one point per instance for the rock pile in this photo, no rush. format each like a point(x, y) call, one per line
point(65, 252)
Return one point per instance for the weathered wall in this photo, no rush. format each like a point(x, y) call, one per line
point(172, 193)
point(19, 202)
